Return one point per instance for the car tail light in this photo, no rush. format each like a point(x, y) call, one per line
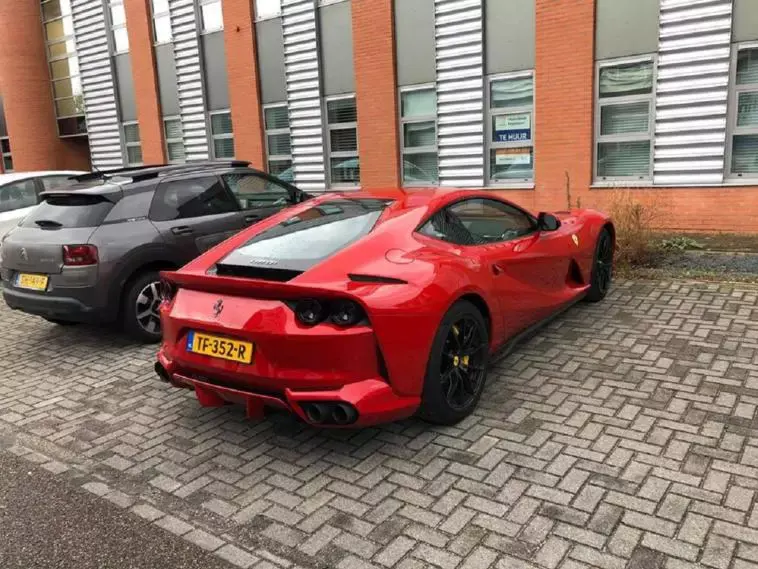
point(79, 255)
point(346, 313)
point(167, 290)
point(343, 312)
point(309, 311)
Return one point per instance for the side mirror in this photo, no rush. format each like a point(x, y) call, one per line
point(547, 222)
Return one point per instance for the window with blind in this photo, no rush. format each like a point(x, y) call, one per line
point(510, 151)
point(132, 144)
point(172, 131)
point(222, 134)
point(118, 26)
point(161, 21)
point(342, 142)
point(5, 146)
point(743, 161)
point(211, 16)
point(418, 136)
point(278, 150)
point(624, 122)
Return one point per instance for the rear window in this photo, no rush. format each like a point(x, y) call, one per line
point(68, 210)
point(311, 236)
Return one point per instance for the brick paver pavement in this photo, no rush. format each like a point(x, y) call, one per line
point(622, 435)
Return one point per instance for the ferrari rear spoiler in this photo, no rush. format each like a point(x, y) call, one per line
point(246, 287)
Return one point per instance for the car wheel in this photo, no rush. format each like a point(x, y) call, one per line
point(602, 267)
point(61, 322)
point(140, 316)
point(457, 368)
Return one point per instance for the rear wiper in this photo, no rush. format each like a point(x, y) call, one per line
point(48, 223)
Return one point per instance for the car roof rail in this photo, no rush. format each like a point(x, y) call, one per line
point(97, 174)
point(154, 172)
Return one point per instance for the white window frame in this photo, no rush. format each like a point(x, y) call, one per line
point(732, 128)
point(273, 131)
point(173, 140)
point(417, 149)
point(131, 144)
point(215, 137)
point(328, 128)
point(157, 15)
point(258, 18)
point(8, 154)
point(115, 27)
point(200, 4)
point(490, 113)
point(635, 137)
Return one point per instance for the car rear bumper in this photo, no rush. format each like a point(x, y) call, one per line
point(49, 306)
point(359, 404)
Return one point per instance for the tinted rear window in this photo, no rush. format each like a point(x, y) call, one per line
point(69, 210)
point(311, 236)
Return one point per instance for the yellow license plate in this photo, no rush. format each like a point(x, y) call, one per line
point(34, 282)
point(217, 347)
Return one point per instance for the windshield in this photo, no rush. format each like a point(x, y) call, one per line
point(303, 240)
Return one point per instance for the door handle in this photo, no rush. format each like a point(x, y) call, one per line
point(253, 217)
point(181, 230)
point(497, 269)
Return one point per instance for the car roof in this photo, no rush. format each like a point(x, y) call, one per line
point(16, 176)
point(410, 198)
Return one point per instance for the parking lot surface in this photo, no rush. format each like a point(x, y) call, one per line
point(622, 435)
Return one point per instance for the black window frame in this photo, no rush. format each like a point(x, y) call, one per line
point(161, 189)
point(292, 197)
point(428, 218)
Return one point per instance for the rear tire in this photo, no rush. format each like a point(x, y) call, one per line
point(139, 316)
point(457, 367)
point(602, 267)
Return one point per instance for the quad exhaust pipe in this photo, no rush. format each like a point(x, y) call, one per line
point(162, 373)
point(329, 413)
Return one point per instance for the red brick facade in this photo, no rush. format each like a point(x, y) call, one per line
point(376, 93)
point(145, 77)
point(27, 94)
point(563, 109)
point(242, 70)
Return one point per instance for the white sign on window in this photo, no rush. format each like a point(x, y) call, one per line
point(513, 156)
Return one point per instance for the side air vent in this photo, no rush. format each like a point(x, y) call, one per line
point(376, 279)
point(261, 273)
point(574, 277)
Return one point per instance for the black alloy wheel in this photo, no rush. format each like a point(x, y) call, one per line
point(462, 363)
point(457, 366)
point(602, 267)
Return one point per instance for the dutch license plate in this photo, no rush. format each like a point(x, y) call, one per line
point(33, 282)
point(222, 348)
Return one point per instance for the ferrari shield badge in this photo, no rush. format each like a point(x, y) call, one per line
point(575, 239)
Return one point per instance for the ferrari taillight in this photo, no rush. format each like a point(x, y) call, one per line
point(167, 290)
point(342, 312)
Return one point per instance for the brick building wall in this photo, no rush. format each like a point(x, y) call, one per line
point(27, 94)
point(244, 90)
point(563, 112)
point(376, 93)
point(145, 76)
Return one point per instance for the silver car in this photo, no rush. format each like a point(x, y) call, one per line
point(20, 191)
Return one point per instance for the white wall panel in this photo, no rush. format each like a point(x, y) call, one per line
point(459, 48)
point(98, 85)
point(189, 79)
point(301, 66)
point(691, 91)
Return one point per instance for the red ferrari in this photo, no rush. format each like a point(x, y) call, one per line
point(362, 308)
